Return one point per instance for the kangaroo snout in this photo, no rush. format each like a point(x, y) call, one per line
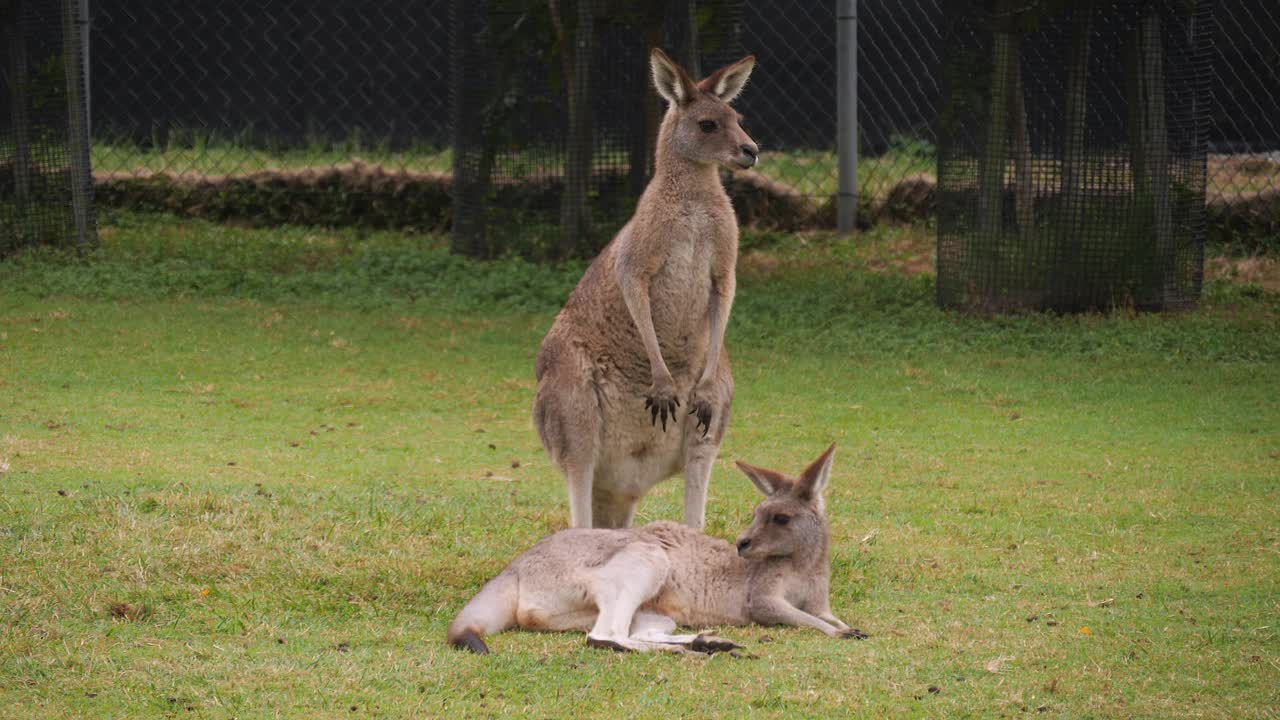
point(743, 544)
point(751, 153)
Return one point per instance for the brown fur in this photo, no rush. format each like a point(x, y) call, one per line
point(640, 340)
point(630, 588)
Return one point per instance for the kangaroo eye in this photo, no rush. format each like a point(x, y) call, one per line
point(781, 519)
point(708, 126)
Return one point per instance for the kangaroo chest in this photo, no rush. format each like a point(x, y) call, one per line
point(680, 291)
point(685, 277)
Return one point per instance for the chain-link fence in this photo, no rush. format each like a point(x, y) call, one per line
point(334, 112)
point(791, 107)
point(323, 112)
point(1243, 189)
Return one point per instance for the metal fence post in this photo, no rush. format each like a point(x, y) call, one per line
point(847, 113)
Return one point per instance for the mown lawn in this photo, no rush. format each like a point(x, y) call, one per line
point(253, 473)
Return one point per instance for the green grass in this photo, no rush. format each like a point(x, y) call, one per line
point(815, 172)
point(253, 473)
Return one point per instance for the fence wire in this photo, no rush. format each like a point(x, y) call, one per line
point(1072, 155)
point(323, 112)
point(337, 112)
point(555, 114)
point(44, 164)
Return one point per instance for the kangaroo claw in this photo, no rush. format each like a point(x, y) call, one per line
point(853, 634)
point(660, 409)
point(702, 411)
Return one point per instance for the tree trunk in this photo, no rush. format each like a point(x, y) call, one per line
point(1075, 105)
point(576, 56)
point(19, 111)
point(1070, 211)
point(992, 170)
point(690, 48)
point(1149, 142)
point(646, 122)
point(1023, 186)
point(472, 149)
point(77, 121)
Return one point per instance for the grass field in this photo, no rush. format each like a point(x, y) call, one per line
point(253, 473)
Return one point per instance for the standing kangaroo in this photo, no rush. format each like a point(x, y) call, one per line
point(630, 588)
point(647, 320)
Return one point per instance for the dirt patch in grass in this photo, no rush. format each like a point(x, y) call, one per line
point(764, 202)
point(1242, 200)
point(361, 193)
point(131, 612)
point(351, 193)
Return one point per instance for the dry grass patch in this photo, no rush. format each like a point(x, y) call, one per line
point(1261, 271)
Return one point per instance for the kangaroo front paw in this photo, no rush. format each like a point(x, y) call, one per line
point(700, 406)
point(852, 634)
point(661, 402)
point(701, 410)
point(710, 644)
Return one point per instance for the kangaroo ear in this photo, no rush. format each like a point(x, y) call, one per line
point(729, 80)
point(768, 481)
point(670, 79)
point(814, 478)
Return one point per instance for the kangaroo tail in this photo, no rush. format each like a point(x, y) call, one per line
point(492, 610)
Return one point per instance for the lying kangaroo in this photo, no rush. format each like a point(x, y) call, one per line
point(647, 320)
point(630, 588)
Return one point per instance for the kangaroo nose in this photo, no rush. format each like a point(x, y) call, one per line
point(743, 544)
point(751, 152)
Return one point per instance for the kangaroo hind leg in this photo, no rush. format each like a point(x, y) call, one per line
point(656, 631)
point(566, 413)
point(491, 611)
point(701, 444)
point(630, 578)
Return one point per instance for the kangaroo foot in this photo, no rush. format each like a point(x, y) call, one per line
point(710, 644)
point(853, 634)
point(603, 644)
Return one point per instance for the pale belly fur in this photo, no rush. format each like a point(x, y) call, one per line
point(636, 454)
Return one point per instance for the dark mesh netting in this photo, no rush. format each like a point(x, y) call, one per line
point(1072, 141)
point(554, 114)
point(44, 140)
